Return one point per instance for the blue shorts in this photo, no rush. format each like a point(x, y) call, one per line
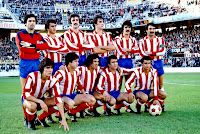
point(56, 67)
point(103, 61)
point(28, 66)
point(92, 92)
point(158, 65)
point(147, 92)
point(125, 63)
point(38, 105)
point(114, 94)
point(71, 96)
point(82, 59)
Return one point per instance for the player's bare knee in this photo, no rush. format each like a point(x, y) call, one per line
point(112, 102)
point(92, 100)
point(163, 94)
point(144, 98)
point(32, 107)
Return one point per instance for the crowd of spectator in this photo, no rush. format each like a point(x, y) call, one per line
point(189, 39)
point(7, 51)
point(8, 54)
point(44, 9)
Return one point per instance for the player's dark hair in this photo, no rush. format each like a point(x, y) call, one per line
point(70, 57)
point(44, 63)
point(128, 23)
point(96, 19)
point(150, 24)
point(47, 23)
point(72, 16)
point(111, 57)
point(29, 16)
point(145, 58)
point(90, 59)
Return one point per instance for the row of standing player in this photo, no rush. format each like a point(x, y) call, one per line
point(30, 42)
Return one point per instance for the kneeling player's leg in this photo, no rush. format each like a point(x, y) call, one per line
point(124, 99)
point(161, 98)
point(52, 108)
point(68, 103)
point(83, 101)
point(141, 99)
point(30, 112)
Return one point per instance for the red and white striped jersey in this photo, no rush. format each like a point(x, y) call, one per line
point(102, 40)
point(68, 81)
point(56, 42)
point(122, 43)
point(88, 78)
point(35, 87)
point(143, 81)
point(155, 45)
point(77, 42)
point(111, 82)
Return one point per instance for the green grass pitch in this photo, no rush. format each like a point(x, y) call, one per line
point(182, 116)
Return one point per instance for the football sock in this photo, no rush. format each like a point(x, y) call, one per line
point(104, 107)
point(30, 115)
point(118, 106)
point(161, 101)
point(80, 107)
point(139, 102)
point(51, 110)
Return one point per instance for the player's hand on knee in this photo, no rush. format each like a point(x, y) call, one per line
point(64, 124)
point(44, 106)
point(106, 96)
point(130, 97)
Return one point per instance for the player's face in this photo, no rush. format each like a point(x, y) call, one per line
point(100, 24)
point(151, 30)
point(146, 64)
point(113, 64)
point(75, 22)
point(95, 63)
point(48, 71)
point(30, 24)
point(127, 30)
point(74, 64)
point(52, 28)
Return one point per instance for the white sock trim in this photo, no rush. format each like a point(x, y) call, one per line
point(126, 103)
point(108, 106)
point(99, 102)
point(139, 102)
point(30, 113)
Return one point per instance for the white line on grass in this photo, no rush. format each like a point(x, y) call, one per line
point(183, 84)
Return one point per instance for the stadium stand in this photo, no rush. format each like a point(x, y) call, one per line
point(111, 10)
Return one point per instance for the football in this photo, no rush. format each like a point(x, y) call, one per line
point(155, 110)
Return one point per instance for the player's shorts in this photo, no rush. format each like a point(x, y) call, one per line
point(91, 93)
point(125, 63)
point(147, 92)
point(103, 61)
point(158, 65)
point(114, 94)
point(71, 96)
point(56, 67)
point(28, 66)
point(82, 59)
point(38, 105)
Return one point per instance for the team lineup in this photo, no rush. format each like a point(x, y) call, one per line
point(92, 73)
